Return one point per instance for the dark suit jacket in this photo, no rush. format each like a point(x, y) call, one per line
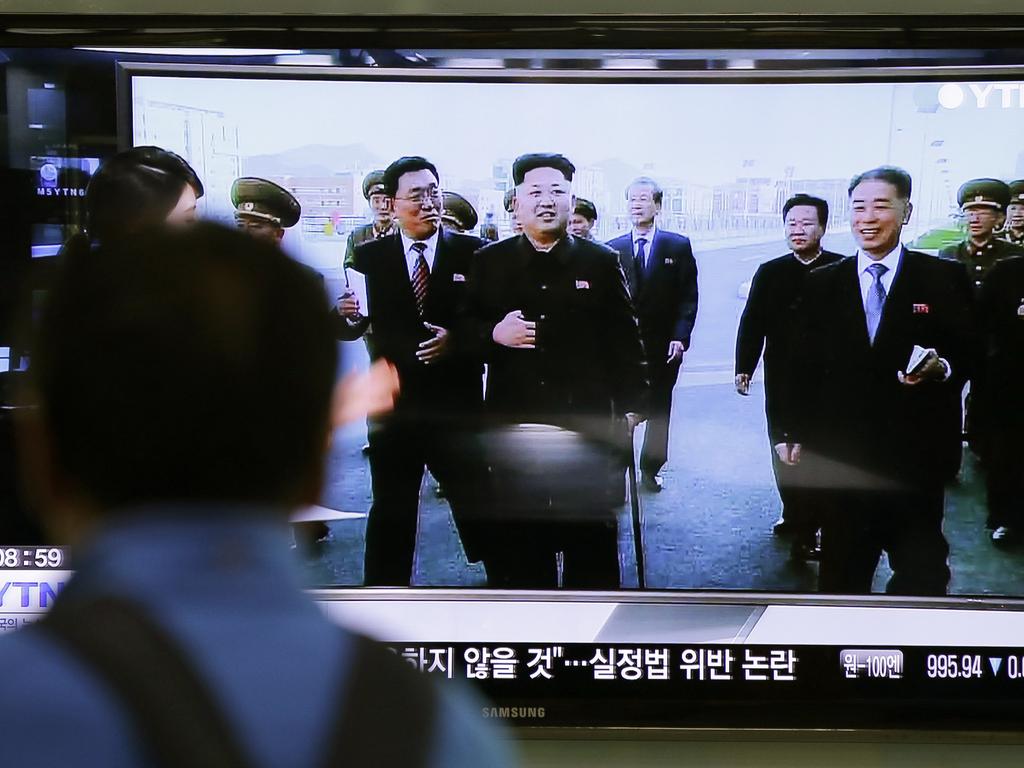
point(666, 302)
point(1001, 317)
point(849, 407)
point(452, 385)
point(769, 322)
point(586, 372)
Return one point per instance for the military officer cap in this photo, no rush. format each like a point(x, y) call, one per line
point(510, 198)
point(261, 199)
point(1017, 191)
point(458, 211)
point(373, 184)
point(988, 193)
point(585, 208)
point(526, 163)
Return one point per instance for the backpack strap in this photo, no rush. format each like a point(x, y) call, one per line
point(386, 711)
point(172, 708)
point(387, 714)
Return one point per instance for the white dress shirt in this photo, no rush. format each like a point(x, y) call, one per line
point(411, 255)
point(892, 261)
point(649, 237)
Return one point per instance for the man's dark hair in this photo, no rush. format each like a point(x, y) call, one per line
point(899, 178)
point(526, 163)
point(402, 166)
point(586, 209)
point(135, 190)
point(821, 206)
point(656, 191)
point(190, 364)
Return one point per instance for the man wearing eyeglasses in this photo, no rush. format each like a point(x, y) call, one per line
point(415, 279)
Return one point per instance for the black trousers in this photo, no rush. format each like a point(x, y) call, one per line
point(1004, 477)
point(654, 452)
point(399, 454)
point(857, 526)
point(799, 504)
point(525, 555)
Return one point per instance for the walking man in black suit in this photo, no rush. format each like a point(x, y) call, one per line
point(768, 323)
point(1001, 317)
point(662, 277)
point(883, 353)
point(550, 314)
point(415, 280)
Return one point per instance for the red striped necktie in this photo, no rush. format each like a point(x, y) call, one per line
point(420, 273)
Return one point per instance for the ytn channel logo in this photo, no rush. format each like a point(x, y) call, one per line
point(982, 95)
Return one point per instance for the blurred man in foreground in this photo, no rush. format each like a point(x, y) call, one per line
point(184, 637)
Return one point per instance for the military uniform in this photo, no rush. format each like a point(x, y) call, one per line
point(459, 214)
point(979, 261)
point(1016, 198)
point(262, 202)
point(373, 184)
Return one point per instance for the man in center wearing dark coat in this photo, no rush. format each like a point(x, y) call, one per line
point(415, 280)
point(551, 316)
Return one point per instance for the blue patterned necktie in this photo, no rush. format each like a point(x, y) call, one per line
point(876, 299)
point(420, 273)
point(640, 261)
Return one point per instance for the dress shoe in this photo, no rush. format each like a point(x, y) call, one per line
point(651, 483)
point(1005, 536)
point(365, 449)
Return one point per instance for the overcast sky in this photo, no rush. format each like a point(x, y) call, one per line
point(701, 133)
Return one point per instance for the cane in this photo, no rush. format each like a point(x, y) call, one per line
point(637, 515)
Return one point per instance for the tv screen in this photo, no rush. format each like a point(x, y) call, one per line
point(714, 545)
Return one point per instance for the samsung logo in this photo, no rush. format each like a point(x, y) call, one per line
point(515, 713)
point(982, 95)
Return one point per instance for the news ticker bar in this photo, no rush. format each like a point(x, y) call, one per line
point(540, 664)
point(595, 684)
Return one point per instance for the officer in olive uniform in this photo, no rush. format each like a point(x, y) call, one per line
point(983, 203)
point(263, 208)
point(459, 215)
point(1001, 321)
point(1013, 232)
point(583, 219)
point(383, 217)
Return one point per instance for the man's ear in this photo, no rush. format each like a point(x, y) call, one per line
point(907, 211)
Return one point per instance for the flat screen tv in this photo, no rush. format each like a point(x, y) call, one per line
point(719, 617)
